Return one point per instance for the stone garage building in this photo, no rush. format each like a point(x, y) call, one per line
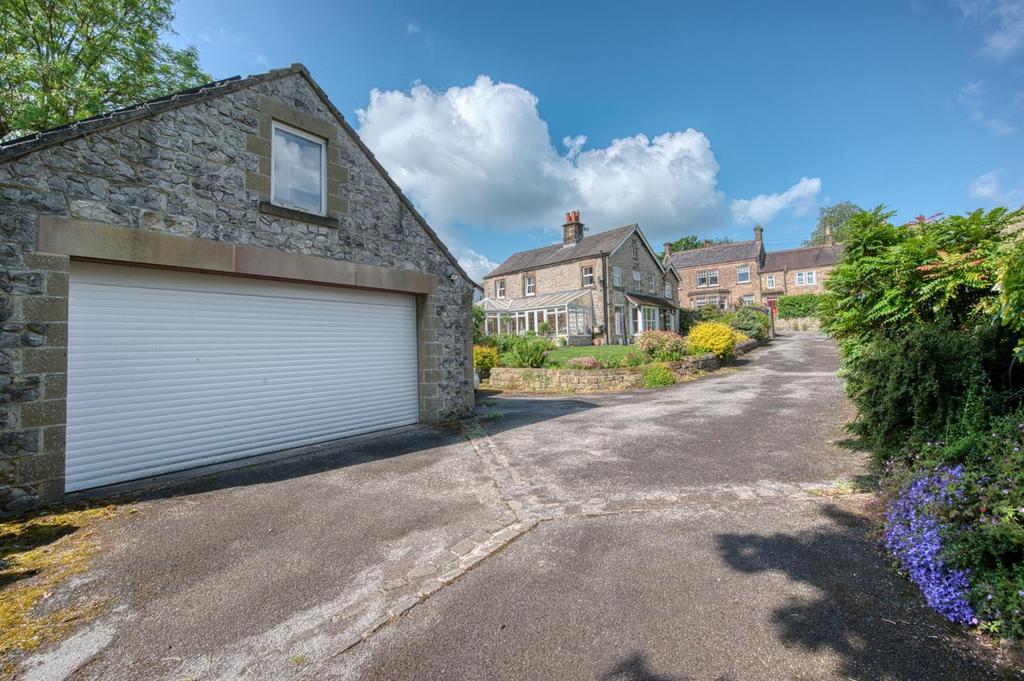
point(223, 272)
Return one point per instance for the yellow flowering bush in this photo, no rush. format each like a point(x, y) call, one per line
point(715, 337)
point(484, 359)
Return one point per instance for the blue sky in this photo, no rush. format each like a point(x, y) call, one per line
point(685, 117)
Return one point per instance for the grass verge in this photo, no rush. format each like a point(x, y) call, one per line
point(37, 554)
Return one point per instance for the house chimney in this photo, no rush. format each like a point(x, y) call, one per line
point(572, 230)
point(758, 234)
point(828, 235)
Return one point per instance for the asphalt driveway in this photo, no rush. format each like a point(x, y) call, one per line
point(657, 535)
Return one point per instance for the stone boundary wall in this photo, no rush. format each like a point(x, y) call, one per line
point(798, 324)
point(598, 380)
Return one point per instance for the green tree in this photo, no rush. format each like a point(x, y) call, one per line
point(835, 217)
point(62, 60)
point(692, 241)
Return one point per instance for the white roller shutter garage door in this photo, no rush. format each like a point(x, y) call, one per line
point(172, 370)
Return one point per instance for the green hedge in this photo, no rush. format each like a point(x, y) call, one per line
point(802, 305)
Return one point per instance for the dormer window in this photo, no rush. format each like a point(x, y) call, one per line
point(299, 169)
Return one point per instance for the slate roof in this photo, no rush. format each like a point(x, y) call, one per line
point(796, 258)
point(711, 255)
point(538, 302)
point(642, 299)
point(587, 247)
point(20, 146)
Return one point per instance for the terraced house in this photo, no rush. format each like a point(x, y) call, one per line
point(744, 273)
point(595, 289)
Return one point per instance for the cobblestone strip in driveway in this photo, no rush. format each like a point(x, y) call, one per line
point(524, 511)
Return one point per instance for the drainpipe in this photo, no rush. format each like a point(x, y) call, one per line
point(604, 299)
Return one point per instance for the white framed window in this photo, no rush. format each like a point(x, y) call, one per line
point(668, 290)
point(771, 281)
point(707, 278)
point(650, 318)
point(587, 274)
point(529, 285)
point(298, 173)
point(715, 301)
point(636, 281)
point(805, 278)
point(748, 299)
point(652, 285)
point(743, 274)
point(499, 289)
point(617, 276)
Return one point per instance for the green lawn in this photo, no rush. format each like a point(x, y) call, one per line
point(603, 353)
point(559, 356)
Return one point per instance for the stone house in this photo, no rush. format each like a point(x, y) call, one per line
point(223, 272)
point(599, 288)
point(797, 270)
point(724, 276)
point(744, 273)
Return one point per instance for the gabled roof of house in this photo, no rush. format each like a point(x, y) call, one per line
point(711, 255)
point(795, 258)
point(20, 146)
point(589, 246)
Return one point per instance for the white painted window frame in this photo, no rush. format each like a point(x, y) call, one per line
point(744, 269)
point(529, 285)
point(637, 281)
point(584, 275)
point(499, 289)
point(323, 167)
point(707, 275)
point(771, 281)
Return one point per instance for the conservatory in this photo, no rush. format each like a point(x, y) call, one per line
point(566, 314)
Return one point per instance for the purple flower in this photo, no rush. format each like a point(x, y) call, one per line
point(913, 537)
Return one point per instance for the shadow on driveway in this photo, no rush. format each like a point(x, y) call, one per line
point(875, 624)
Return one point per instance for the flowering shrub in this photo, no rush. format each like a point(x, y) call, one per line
point(913, 535)
point(583, 363)
point(484, 359)
point(657, 375)
point(715, 337)
point(662, 346)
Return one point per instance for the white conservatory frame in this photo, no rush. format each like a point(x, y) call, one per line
point(570, 314)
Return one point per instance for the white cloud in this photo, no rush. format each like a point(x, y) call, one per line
point(261, 59)
point(798, 199)
point(475, 264)
point(1003, 21)
point(411, 28)
point(988, 188)
point(482, 154)
point(974, 99)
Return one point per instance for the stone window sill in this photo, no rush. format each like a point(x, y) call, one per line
point(299, 215)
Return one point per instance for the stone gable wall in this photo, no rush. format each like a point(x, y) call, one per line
point(194, 171)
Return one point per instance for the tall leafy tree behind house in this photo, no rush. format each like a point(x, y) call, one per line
point(62, 61)
point(692, 241)
point(836, 218)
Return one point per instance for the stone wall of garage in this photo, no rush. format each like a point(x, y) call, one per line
point(197, 171)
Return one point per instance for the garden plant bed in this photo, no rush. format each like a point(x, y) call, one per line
point(561, 381)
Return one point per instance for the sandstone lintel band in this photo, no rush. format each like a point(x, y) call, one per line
point(111, 243)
